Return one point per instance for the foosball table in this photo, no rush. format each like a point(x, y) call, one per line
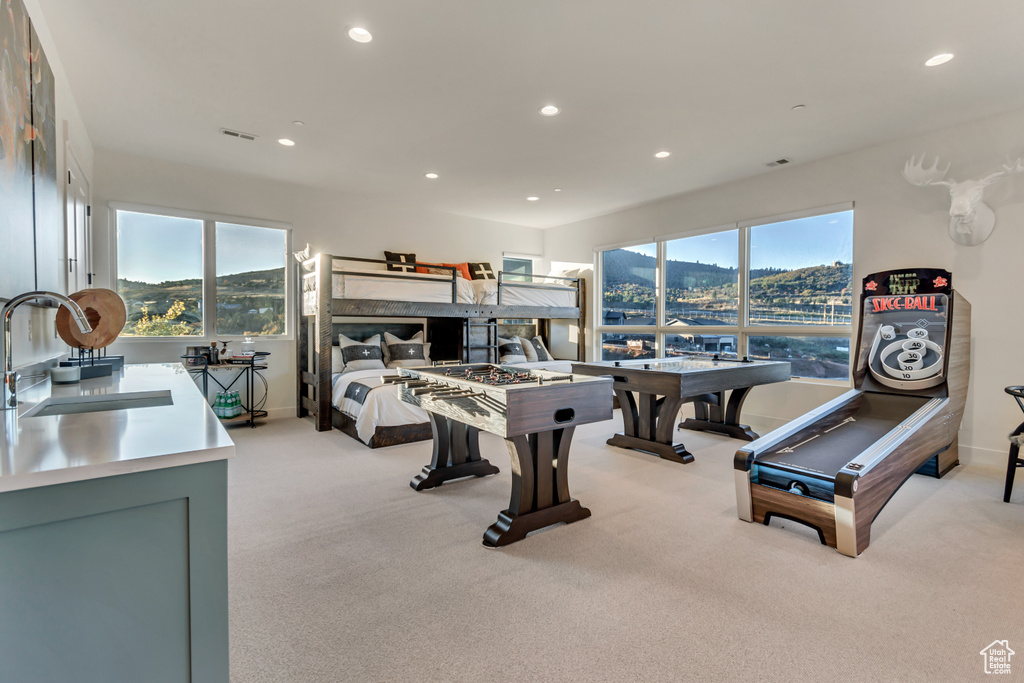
point(535, 412)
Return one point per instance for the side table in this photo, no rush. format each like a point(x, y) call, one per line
point(249, 368)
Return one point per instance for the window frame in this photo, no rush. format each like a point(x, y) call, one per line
point(210, 221)
point(534, 260)
point(743, 330)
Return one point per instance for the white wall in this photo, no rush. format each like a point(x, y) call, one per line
point(33, 333)
point(896, 225)
point(331, 221)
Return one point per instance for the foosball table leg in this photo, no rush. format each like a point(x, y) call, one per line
point(456, 454)
point(540, 487)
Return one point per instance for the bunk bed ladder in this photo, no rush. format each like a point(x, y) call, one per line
point(490, 331)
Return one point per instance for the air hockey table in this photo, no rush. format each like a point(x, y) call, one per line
point(651, 392)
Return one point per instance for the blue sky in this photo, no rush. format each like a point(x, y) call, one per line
point(814, 241)
point(158, 248)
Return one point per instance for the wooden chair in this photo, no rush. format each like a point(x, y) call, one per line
point(1016, 439)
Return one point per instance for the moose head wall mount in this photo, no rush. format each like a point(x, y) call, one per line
point(970, 220)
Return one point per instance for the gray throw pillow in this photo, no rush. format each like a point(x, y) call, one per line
point(542, 351)
point(510, 352)
point(407, 353)
point(355, 355)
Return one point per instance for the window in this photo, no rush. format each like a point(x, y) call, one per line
point(515, 268)
point(187, 276)
point(801, 271)
point(627, 346)
point(250, 279)
point(702, 280)
point(775, 288)
point(629, 285)
point(160, 274)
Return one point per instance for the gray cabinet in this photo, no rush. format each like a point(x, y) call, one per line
point(121, 578)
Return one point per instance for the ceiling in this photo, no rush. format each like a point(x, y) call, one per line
point(454, 87)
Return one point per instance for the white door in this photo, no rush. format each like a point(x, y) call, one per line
point(79, 228)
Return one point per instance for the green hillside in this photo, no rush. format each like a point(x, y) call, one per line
point(629, 283)
point(247, 303)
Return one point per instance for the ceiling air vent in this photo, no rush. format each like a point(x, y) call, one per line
point(777, 162)
point(237, 134)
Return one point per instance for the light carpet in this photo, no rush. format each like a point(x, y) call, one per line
point(339, 571)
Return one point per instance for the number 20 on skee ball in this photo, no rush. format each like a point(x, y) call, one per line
point(907, 349)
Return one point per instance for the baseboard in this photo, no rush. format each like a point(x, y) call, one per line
point(984, 457)
point(278, 413)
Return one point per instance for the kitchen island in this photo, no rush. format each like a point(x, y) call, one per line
point(113, 531)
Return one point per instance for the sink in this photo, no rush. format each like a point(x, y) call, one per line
point(100, 403)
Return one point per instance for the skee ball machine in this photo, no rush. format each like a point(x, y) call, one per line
point(836, 467)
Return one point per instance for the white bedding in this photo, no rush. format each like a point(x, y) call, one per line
point(486, 292)
point(360, 285)
point(354, 284)
point(381, 407)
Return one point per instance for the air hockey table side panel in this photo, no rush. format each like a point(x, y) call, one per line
point(699, 376)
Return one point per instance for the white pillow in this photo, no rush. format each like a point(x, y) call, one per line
point(564, 274)
point(355, 355)
point(531, 353)
point(407, 353)
point(542, 351)
point(510, 351)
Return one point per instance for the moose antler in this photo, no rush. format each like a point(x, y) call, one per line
point(916, 174)
point(1012, 167)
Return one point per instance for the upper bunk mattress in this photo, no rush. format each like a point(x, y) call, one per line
point(369, 285)
point(558, 297)
point(353, 284)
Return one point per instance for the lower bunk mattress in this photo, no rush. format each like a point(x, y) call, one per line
point(374, 407)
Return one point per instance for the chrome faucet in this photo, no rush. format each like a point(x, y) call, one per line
point(10, 376)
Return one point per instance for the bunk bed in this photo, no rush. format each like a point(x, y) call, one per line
point(462, 320)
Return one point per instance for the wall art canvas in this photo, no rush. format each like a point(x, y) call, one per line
point(49, 219)
point(17, 250)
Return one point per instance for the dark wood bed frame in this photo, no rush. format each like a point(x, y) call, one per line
point(446, 325)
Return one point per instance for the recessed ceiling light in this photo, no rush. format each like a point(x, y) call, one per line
point(939, 59)
point(298, 123)
point(558, 189)
point(432, 176)
point(359, 34)
point(286, 142)
point(549, 110)
point(798, 107)
point(532, 199)
point(663, 154)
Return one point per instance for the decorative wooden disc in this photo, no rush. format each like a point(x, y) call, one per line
point(106, 313)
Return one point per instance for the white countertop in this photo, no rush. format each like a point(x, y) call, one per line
point(57, 449)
